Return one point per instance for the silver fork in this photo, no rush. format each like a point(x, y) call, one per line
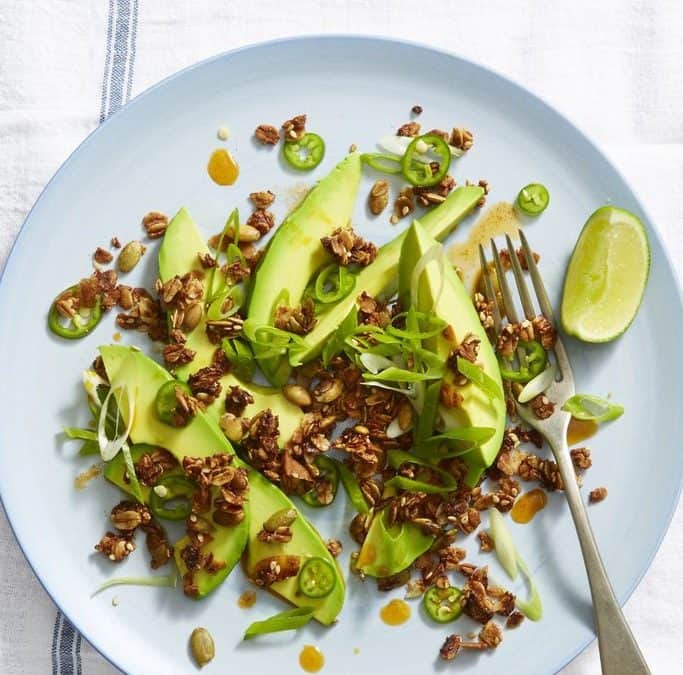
point(619, 652)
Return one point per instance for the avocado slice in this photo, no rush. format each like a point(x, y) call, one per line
point(447, 298)
point(200, 438)
point(295, 253)
point(178, 255)
point(379, 278)
point(389, 550)
point(306, 543)
point(289, 415)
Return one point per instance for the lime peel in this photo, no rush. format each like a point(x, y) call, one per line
point(606, 276)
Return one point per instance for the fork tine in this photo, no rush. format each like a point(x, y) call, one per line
point(508, 305)
point(539, 287)
point(488, 287)
point(544, 303)
point(519, 280)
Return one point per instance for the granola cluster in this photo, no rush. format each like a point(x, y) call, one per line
point(151, 466)
point(127, 517)
point(299, 320)
point(219, 501)
point(347, 248)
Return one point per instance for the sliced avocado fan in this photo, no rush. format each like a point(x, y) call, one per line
point(130, 368)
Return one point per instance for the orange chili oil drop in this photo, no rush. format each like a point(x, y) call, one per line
point(311, 659)
point(580, 430)
point(395, 613)
point(528, 505)
point(222, 167)
point(246, 600)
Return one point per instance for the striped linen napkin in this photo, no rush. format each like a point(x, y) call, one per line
point(65, 66)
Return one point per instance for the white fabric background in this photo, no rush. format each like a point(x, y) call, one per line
point(613, 67)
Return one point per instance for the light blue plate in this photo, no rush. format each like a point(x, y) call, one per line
point(152, 155)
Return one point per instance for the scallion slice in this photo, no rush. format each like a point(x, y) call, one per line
point(291, 619)
point(109, 447)
point(537, 385)
point(240, 356)
point(588, 407)
point(352, 488)
point(533, 607)
point(477, 376)
point(394, 374)
point(79, 433)
point(163, 581)
point(502, 539)
point(509, 558)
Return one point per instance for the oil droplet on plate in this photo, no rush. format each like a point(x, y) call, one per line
point(247, 600)
point(311, 659)
point(580, 430)
point(116, 337)
point(222, 168)
point(395, 613)
point(528, 505)
point(356, 650)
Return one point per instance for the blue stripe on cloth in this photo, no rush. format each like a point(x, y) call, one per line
point(66, 649)
point(121, 41)
point(107, 64)
point(133, 41)
point(120, 61)
point(55, 640)
point(79, 667)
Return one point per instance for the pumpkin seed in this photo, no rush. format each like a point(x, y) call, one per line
point(232, 427)
point(193, 315)
point(281, 518)
point(130, 256)
point(202, 645)
point(297, 395)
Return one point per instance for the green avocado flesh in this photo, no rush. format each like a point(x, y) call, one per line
point(380, 278)
point(305, 543)
point(201, 438)
point(295, 253)
point(389, 550)
point(178, 255)
point(446, 297)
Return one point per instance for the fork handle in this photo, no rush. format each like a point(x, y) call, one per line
point(619, 652)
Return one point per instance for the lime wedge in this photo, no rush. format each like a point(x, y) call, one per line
point(606, 276)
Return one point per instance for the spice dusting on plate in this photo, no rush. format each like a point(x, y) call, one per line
point(528, 505)
point(311, 659)
point(84, 478)
point(500, 218)
point(395, 613)
point(222, 167)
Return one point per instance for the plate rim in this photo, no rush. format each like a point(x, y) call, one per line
point(377, 39)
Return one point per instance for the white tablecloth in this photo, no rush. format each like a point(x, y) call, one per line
point(613, 66)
